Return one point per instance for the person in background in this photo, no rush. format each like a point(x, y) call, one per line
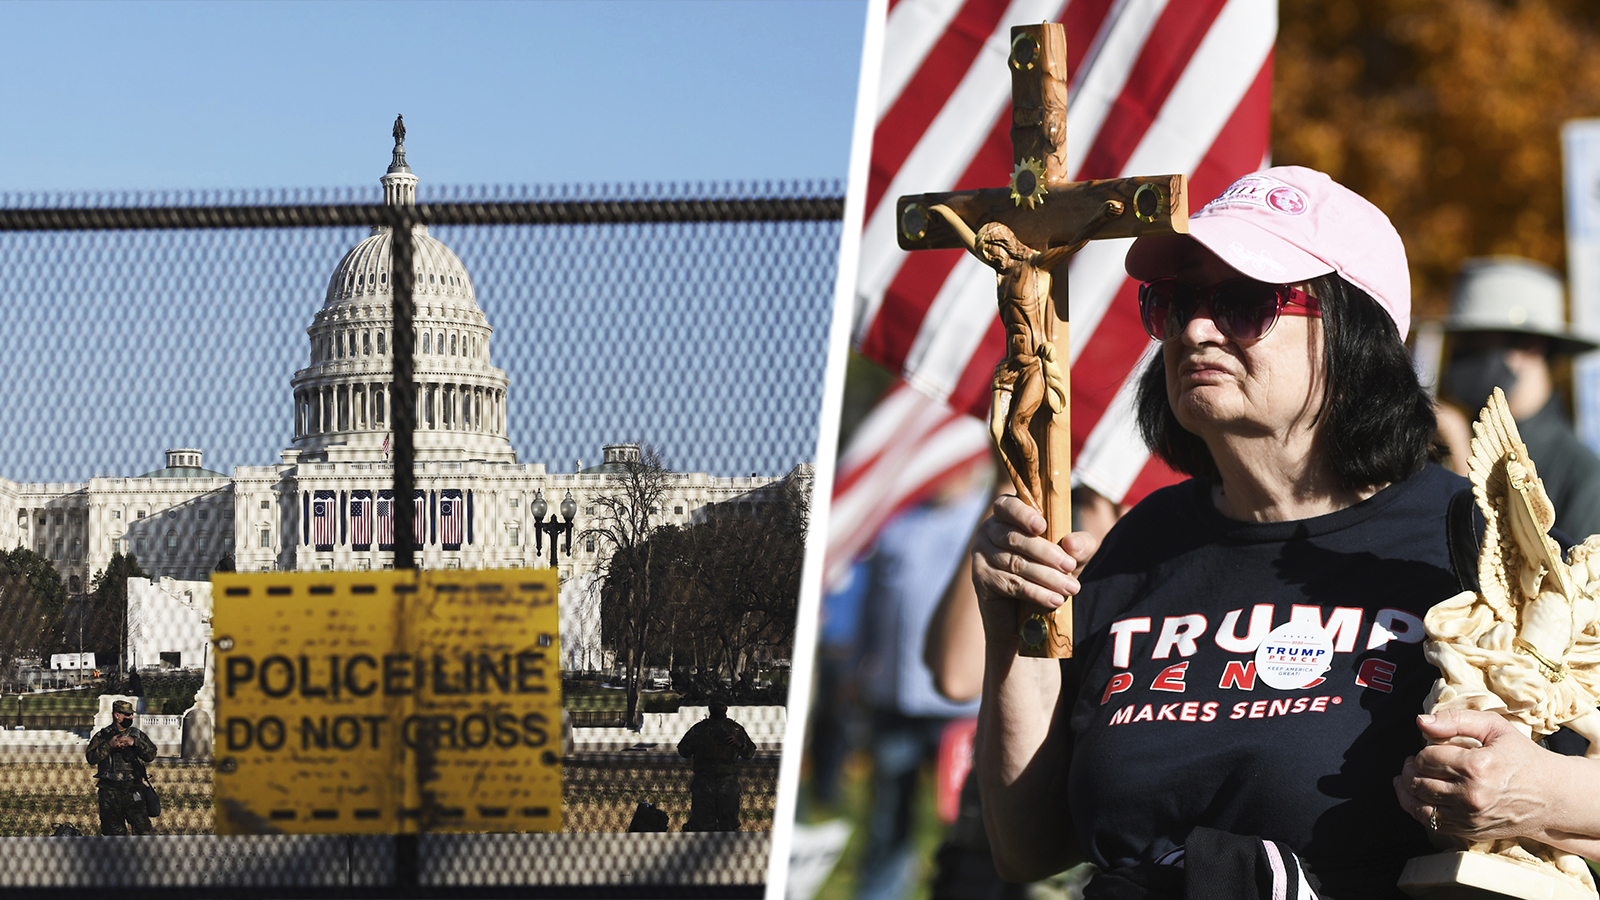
point(915, 556)
point(836, 727)
point(953, 650)
point(120, 751)
point(715, 744)
point(1507, 325)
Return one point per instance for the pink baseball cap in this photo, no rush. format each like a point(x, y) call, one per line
point(1287, 225)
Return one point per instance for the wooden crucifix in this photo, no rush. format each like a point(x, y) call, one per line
point(1024, 231)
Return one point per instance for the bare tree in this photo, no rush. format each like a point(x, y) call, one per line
point(632, 615)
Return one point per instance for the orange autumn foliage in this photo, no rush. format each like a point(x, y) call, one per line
point(1445, 113)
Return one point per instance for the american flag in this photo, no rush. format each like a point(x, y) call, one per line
point(385, 520)
point(451, 520)
point(905, 447)
point(361, 520)
point(1156, 87)
point(324, 520)
point(419, 518)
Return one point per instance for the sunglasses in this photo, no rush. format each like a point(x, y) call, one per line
point(1243, 309)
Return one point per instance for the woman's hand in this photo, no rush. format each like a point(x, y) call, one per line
point(1013, 561)
point(1501, 788)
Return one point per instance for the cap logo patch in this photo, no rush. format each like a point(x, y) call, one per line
point(1287, 200)
point(1258, 192)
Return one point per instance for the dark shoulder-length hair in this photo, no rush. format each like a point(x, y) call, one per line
point(1378, 423)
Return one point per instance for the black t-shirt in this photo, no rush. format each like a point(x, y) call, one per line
point(1174, 727)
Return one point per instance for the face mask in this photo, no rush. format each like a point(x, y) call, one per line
point(1470, 379)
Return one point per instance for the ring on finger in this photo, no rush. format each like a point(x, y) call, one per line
point(1433, 819)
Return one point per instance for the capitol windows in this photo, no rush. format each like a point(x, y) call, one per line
point(380, 343)
point(438, 341)
point(138, 546)
point(677, 510)
point(201, 514)
point(514, 501)
point(227, 544)
point(452, 345)
point(141, 515)
point(514, 535)
point(172, 541)
point(57, 554)
point(200, 543)
point(588, 544)
point(427, 342)
point(116, 514)
point(366, 344)
point(266, 537)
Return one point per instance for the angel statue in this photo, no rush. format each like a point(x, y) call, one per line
point(1526, 644)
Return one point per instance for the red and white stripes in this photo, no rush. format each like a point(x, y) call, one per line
point(1156, 87)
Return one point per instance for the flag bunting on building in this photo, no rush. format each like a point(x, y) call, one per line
point(361, 520)
point(384, 518)
point(324, 520)
point(451, 518)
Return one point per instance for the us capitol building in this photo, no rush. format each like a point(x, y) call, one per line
point(325, 504)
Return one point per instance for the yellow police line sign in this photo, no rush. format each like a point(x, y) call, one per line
point(387, 702)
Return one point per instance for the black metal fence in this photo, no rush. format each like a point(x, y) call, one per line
point(304, 381)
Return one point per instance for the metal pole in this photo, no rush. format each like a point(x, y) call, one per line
point(404, 394)
point(403, 415)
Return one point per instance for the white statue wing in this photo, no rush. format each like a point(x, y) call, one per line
point(1517, 549)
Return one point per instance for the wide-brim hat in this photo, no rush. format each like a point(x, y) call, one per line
point(1287, 225)
point(1513, 295)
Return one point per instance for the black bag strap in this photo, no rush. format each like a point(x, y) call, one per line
point(1460, 527)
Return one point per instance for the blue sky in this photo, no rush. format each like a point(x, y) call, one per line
point(197, 348)
point(245, 94)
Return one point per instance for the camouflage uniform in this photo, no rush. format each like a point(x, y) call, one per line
point(716, 745)
point(119, 775)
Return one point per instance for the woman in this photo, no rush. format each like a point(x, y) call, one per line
point(1248, 662)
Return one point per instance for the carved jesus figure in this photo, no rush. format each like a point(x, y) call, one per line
point(1029, 376)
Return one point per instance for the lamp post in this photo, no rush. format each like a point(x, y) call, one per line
point(569, 511)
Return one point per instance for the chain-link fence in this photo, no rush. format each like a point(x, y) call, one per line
point(620, 382)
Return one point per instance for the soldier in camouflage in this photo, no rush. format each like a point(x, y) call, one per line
point(121, 751)
point(716, 745)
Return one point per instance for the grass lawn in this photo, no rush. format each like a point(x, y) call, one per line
point(84, 701)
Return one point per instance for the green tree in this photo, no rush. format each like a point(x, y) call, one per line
point(107, 614)
point(32, 599)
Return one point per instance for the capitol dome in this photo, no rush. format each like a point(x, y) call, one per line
point(342, 399)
